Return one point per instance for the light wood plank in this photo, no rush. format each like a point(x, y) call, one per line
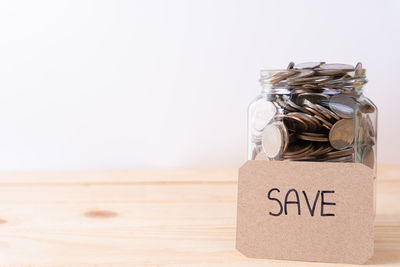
point(146, 217)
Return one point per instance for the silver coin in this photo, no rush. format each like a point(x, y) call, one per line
point(302, 74)
point(274, 139)
point(336, 67)
point(263, 114)
point(343, 105)
point(290, 66)
point(327, 112)
point(307, 65)
point(312, 97)
point(309, 80)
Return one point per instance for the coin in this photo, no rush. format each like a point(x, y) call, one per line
point(341, 135)
point(307, 65)
point(295, 106)
point(359, 71)
point(312, 138)
point(323, 120)
point(325, 149)
point(294, 123)
point(309, 80)
point(284, 105)
point(368, 125)
point(348, 158)
point(311, 111)
point(263, 114)
point(281, 76)
point(343, 105)
point(274, 139)
point(338, 154)
point(297, 148)
point(316, 105)
point(302, 74)
point(312, 123)
point(366, 106)
point(312, 97)
point(337, 67)
point(290, 66)
point(299, 155)
point(368, 157)
point(367, 131)
point(333, 69)
point(327, 113)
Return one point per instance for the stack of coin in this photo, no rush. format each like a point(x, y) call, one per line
point(315, 113)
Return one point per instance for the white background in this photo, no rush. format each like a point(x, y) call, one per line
point(139, 84)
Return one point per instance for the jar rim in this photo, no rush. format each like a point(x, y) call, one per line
point(287, 79)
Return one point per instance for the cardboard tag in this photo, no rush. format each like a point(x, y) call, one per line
point(309, 211)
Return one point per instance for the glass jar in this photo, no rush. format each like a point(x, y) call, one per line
point(313, 112)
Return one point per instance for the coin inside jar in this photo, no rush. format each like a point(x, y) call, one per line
point(312, 97)
point(341, 135)
point(368, 157)
point(294, 123)
point(274, 139)
point(315, 108)
point(344, 106)
point(297, 148)
point(312, 138)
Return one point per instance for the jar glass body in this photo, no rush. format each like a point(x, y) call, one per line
point(304, 122)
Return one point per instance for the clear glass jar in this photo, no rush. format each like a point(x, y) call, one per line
point(313, 112)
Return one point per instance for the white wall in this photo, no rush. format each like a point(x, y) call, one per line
point(127, 84)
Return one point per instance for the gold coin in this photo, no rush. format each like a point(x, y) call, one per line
point(297, 148)
point(312, 138)
point(324, 121)
point(294, 123)
point(324, 149)
point(338, 153)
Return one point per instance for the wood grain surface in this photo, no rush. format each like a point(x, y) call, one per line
point(147, 218)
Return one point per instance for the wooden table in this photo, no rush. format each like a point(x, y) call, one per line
point(146, 217)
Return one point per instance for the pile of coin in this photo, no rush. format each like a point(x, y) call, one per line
point(314, 113)
point(319, 76)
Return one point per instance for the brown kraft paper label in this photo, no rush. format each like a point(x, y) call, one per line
point(309, 211)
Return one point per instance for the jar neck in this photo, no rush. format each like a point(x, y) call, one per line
point(300, 81)
point(268, 89)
